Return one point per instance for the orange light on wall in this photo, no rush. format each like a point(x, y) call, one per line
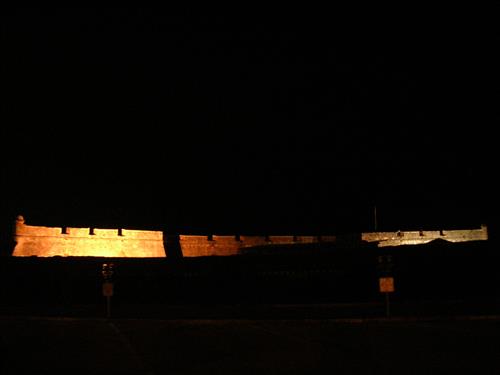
point(87, 242)
point(54, 241)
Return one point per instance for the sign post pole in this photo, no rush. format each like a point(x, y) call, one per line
point(108, 307)
point(107, 286)
point(386, 280)
point(386, 286)
point(387, 305)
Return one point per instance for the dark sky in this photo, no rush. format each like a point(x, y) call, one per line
point(246, 121)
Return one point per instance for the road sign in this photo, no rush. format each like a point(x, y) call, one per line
point(386, 284)
point(107, 289)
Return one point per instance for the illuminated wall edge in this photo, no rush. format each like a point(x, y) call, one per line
point(55, 241)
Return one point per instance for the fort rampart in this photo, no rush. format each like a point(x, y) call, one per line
point(68, 241)
point(421, 237)
point(54, 241)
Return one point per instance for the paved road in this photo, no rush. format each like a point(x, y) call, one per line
point(250, 346)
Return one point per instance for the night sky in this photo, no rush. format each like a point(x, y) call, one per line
point(246, 121)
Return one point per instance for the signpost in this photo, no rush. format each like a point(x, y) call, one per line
point(386, 280)
point(107, 285)
point(386, 286)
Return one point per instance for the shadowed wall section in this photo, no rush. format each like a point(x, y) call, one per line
point(233, 245)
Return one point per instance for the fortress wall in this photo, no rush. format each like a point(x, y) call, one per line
point(143, 235)
point(27, 230)
point(226, 245)
point(207, 246)
point(421, 237)
point(192, 245)
point(54, 241)
point(231, 245)
point(249, 241)
point(306, 239)
point(467, 235)
point(75, 232)
point(281, 239)
point(400, 238)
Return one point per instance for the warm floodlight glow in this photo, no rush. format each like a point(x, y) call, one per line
point(53, 241)
point(117, 243)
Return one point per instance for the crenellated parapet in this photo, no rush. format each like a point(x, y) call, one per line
point(68, 241)
point(399, 238)
point(234, 245)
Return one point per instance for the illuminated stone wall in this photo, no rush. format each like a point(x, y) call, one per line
point(193, 246)
point(55, 241)
point(421, 237)
point(232, 245)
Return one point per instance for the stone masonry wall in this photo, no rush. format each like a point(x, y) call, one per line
point(55, 241)
point(420, 237)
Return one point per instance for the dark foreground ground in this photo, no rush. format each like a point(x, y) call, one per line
point(53, 346)
point(314, 312)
